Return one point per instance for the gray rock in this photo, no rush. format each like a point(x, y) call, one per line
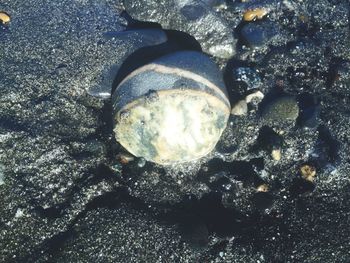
point(240, 108)
point(258, 34)
point(193, 17)
point(280, 110)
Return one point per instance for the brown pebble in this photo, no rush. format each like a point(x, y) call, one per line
point(308, 172)
point(125, 158)
point(262, 188)
point(4, 17)
point(253, 14)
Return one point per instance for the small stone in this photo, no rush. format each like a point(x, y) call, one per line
point(308, 172)
point(258, 95)
point(262, 188)
point(117, 168)
point(253, 14)
point(257, 35)
point(276, 154)
point(281, 110)
point(125, 158)
point(4, 17)
point(141, 162)
point(249, 76)
point(19, 213)
point(279, 132)
point(240, 108)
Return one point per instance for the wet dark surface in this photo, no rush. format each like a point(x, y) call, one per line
point(67, 197)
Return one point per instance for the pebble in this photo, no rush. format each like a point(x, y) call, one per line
point(281, 109)
point(262, 188)
point(308, 172)
point(125, 158)
point(258, 95)
point(4, 17)
point(249, 76)
point(253, 14)
point(240, 108)
point(117, 168)
point(276, 154)
point(258, 34)
point(141, 162)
